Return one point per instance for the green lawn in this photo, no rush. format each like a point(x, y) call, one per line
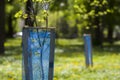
point(69, 61)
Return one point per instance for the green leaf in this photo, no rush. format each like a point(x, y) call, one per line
point(19, 14)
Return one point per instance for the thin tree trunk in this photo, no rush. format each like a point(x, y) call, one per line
point(2, 26)
point(29, 11)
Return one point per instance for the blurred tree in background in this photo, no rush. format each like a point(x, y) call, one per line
point(96, 15)
point(11, 7)
point(2, 25)
point(112, 19)
point(8, 23)
point(66, 22)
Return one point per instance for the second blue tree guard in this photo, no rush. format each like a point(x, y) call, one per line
point(88, 50)
point(38, 54)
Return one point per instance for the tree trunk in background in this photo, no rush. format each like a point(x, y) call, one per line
point(111, 25)
point(98, 30)
point(110, 34)
point(98, 33)
point(29, 10)
point(2, 26)
point(10, 27)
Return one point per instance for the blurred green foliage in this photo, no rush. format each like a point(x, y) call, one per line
point(90, 16)
point(72, 18)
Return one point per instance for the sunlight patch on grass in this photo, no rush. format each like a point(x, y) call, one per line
point(13, 42)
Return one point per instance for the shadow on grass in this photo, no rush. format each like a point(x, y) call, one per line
point(108, 48)
point(71, 48)
point(13, 50)
point(105, 50)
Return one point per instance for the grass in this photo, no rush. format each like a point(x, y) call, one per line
point(10, 63)
point(69, 61)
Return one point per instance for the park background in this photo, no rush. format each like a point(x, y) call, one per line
point(72, 19)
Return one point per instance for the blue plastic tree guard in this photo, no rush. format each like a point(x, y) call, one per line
point(38, 54)
point(88, 50)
